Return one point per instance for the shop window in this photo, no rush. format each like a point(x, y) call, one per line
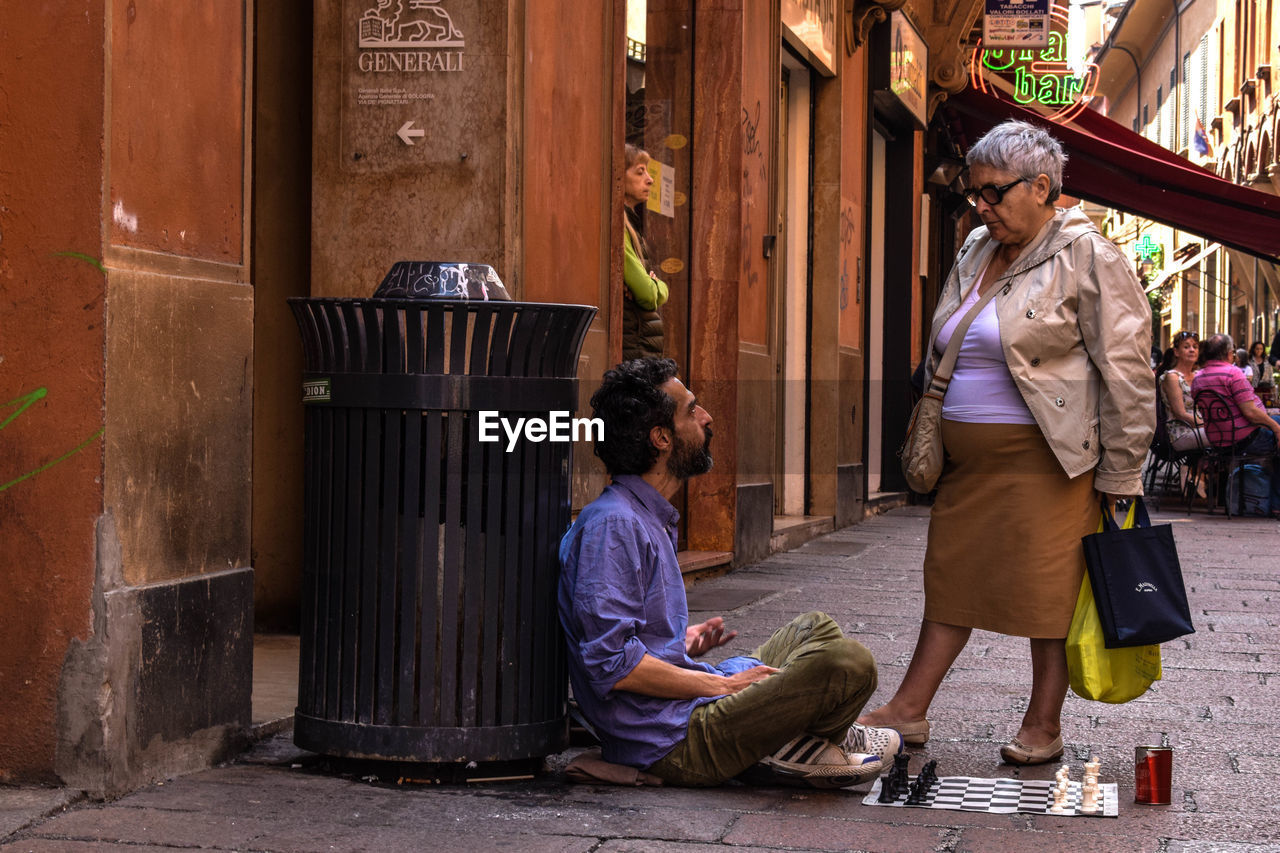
point(1202, 79)
point(1192, 296)
point(1184, 119)
point(1158, 135)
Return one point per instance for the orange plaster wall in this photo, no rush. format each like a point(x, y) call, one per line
point(175, 171)
point(853, 183)
point(567, 159)
point(716, 265)
point(570, 203)
point(51, 341)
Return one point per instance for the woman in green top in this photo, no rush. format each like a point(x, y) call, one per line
point(644, 293)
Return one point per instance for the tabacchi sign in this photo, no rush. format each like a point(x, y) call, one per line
point(1016, 23)
point(1037, 76)
point(409, 36)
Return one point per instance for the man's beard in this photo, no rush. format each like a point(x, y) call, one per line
point(688, 459)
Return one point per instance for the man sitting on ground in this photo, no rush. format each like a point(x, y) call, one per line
point(790, 705)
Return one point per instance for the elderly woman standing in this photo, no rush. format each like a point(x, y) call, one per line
point(1051, 405)
point(643, 292)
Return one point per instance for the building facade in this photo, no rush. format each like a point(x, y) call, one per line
point(201, 166)
point(1195, 78)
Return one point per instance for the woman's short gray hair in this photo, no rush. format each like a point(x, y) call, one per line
point(1024, 149)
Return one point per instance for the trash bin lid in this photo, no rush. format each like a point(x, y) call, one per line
point(441, 280)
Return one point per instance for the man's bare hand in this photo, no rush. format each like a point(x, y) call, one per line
point(653, 677)
point(705, 636)
point(746, 678)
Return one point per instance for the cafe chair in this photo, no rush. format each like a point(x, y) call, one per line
point(1217, 462)
point(1166, 466)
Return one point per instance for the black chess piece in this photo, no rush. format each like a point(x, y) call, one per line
point(896, 782)
point(924, 781)
point(900, 778)
point(887, 792)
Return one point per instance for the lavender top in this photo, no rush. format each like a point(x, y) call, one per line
point(981, 389)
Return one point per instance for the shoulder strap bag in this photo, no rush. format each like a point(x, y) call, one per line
point(921, 451)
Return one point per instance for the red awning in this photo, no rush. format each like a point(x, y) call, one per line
point(1111, 165)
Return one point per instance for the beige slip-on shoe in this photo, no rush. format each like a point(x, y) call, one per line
point(1017, 752)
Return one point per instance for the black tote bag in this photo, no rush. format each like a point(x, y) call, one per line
point(1137, 581)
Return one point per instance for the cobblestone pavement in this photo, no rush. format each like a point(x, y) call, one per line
point(1217, 706)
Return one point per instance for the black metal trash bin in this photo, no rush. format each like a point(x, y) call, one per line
point(429, 625)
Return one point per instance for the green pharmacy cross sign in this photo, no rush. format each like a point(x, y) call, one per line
point(1146, 248)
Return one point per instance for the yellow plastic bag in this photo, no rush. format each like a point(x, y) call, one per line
point(1099, 673)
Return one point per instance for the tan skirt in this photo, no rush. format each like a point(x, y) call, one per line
point(1004, 550)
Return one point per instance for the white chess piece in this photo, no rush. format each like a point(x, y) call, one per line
point(1061, 790)
point(1058, 801)
point(1089, 789)
point(1089, 795)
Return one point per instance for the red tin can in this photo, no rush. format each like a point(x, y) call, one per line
point(1152, 775)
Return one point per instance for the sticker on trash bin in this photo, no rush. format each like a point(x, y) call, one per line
point(316, 391)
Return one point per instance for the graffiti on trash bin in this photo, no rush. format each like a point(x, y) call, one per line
point(418, 279)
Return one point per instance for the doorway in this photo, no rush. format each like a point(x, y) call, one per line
point(791, 294)
point(875, 316)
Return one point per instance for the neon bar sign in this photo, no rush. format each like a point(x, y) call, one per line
point(1038, 76)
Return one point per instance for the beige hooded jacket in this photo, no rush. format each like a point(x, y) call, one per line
point(1075, 328)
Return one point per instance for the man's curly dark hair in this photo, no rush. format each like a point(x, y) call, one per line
point(631, 403)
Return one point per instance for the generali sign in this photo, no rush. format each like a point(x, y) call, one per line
point(409, 36)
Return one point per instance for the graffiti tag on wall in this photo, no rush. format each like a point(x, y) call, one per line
point(847, 229)
point(23, 403)
point(752, 158)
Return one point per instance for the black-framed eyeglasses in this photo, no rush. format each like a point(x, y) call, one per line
point(1182, 336)
point(990, 193)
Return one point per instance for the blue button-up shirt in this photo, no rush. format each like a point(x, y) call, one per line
point(621, 597)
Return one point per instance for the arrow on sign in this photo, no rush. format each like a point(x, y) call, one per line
point(407, 131)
